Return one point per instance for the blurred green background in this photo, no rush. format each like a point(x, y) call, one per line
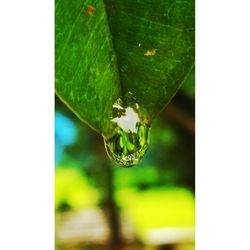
point(100, 205)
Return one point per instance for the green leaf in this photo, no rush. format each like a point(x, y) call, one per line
point(154, 44)
point(121, 48)
point(86, 70)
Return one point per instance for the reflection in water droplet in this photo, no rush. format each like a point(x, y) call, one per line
point(130, 141)
point(127, 148)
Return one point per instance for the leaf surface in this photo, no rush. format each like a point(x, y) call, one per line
point(154, 44)
point(121, 48)
point(86, 70)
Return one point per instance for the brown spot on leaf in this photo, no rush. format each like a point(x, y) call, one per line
point(90, 10)
point(150, 52)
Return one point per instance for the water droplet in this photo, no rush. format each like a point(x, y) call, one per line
point(127, 148)
point(130, 142)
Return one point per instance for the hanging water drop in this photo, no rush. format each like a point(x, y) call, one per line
point(130, 142)
point(128, 148)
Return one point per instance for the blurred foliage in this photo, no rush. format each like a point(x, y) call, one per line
point(72, 190)
point(158, 207)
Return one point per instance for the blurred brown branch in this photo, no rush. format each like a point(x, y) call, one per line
point(178, 116)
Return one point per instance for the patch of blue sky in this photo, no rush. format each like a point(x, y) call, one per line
point(65, 134)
